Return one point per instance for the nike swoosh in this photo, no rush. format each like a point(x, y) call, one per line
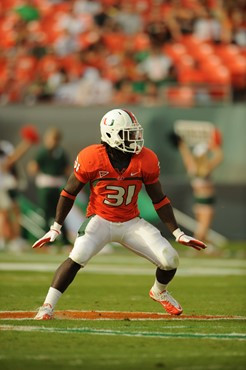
point(134, 173)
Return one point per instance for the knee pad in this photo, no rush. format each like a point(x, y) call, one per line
point(80, 254)
point(170, 260)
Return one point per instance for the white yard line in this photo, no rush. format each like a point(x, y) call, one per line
point(126, 270)
point(130, 260)
point(85, 330)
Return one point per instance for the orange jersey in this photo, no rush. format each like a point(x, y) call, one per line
point(114, 194)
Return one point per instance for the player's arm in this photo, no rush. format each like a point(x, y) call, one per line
point(64, 205)
point(164, 210)
point(67, 198)
point(162, 205)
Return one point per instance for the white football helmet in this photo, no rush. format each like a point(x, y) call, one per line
point(120, 129)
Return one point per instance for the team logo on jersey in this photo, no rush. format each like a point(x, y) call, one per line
point(103, 173)
point(134, 173)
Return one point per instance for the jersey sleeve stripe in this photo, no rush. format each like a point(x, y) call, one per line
point(64, 193)
point(151, 182)
point(162, 203)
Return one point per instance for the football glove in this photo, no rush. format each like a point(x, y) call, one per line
point(49, 237)
point(188, 240)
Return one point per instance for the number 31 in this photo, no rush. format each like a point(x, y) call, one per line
point(119, 196)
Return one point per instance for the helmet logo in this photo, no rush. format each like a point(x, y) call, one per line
point(108, 123)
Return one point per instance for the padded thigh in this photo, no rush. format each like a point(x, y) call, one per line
point(147, 241)
point(137, 235)
point(94, 237)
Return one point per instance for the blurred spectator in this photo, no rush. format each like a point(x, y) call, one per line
point(114, 37)
point(101, 16)
point(151, 95)
point(125, 93)
point(28, 11)
point(10, 229)
point(200, 162)
point(156, 66)
point(94, 89)
point(127, 17)
point(74, 23)
point(207, 28)
point(238, 28)
point(65, 44)
point(183, 17)
point(87, 7)
point(158, 28)
point(50, 167)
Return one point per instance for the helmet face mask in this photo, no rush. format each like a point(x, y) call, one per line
point(121, 130)
point(132, 140)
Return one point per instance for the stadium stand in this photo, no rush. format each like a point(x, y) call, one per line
point(186, 51)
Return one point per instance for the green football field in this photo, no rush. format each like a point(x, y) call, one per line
point(211, 333)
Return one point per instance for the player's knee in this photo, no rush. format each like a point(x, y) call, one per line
point(79, 258)
point(75, 258)
point(170, 260)
point(173, 260)
point(82, 251)
point(77, 254)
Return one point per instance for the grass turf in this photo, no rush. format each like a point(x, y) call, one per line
point(214, 295)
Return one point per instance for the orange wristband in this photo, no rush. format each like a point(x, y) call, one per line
point(162, 203)
point(67, 195)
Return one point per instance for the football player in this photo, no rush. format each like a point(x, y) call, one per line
point(116, 170)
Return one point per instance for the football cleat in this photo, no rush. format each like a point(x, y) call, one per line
point(170, 305)
point(45, 312)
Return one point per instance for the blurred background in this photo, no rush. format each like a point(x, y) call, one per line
point(64, 64)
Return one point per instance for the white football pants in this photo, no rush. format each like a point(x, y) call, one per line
point(137, 235)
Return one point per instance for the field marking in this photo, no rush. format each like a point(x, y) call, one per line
point(114, 259)
point(125, 270)
point(114, 315)
point(40, 329)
